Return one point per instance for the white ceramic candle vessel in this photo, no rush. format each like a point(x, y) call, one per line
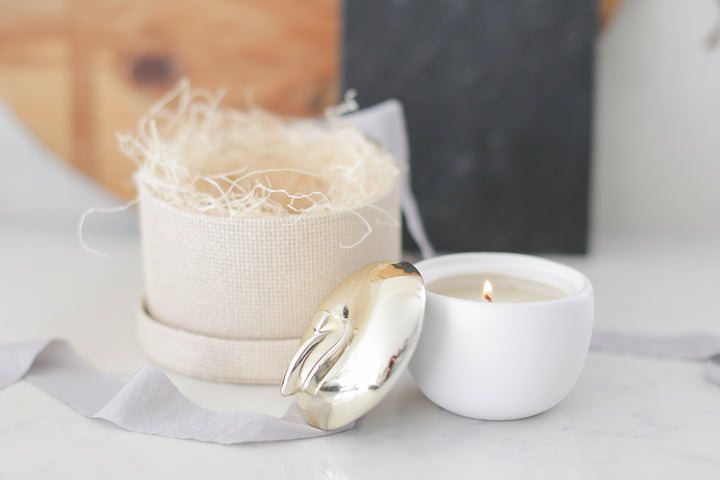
point(504, 359)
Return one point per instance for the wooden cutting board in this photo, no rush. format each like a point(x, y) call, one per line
point(77, 71)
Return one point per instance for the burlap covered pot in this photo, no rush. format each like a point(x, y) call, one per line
point(228, 298)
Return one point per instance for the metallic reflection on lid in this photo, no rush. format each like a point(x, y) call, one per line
point(356, 345)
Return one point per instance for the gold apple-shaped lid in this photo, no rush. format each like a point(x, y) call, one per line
point(357, 344)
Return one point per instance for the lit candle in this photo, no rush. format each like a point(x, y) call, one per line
point(487, 291)
point(505, 336)
point(494, 288)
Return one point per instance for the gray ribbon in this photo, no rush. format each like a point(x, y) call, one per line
point(685, 347)
point(148, 403)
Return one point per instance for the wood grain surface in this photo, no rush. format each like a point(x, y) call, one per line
point(607, 11)
point(77, 71)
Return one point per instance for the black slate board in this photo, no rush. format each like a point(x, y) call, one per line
point(498, 99)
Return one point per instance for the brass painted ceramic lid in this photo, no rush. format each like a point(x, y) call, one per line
point(357, 344)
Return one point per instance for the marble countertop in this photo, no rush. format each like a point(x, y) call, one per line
point(627, 416)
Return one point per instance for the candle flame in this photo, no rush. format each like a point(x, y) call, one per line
point(487, 290)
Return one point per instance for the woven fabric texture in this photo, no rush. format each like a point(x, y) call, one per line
point(229, 298)
point(214, 358)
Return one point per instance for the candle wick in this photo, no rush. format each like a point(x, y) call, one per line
point(487, 289)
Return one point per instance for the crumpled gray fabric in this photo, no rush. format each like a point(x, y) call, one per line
point(148, 403)
point(687, 347)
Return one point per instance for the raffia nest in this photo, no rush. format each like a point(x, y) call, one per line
point(196, 155)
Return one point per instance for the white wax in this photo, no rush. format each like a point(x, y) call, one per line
point(505, 289)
